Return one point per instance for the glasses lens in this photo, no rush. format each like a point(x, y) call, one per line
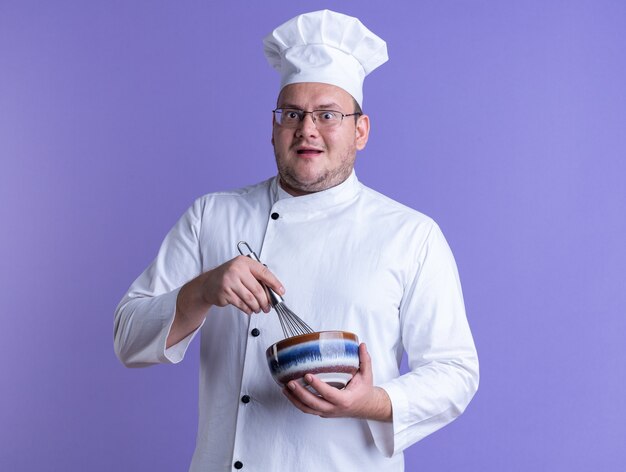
point(291, 118)
point(287, 117)
point(327, 118)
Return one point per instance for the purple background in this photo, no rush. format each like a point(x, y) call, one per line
point(505, 121)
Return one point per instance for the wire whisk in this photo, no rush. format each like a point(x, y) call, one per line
point(291, 324)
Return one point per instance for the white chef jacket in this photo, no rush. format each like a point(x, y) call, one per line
point(350, 259)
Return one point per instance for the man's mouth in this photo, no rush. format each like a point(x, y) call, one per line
point(308, 152)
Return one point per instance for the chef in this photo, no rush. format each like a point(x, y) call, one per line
point(344, 256)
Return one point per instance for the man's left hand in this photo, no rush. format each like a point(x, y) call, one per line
point(360, 399)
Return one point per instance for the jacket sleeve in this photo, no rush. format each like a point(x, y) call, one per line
point(144, 316)
point(443, 364)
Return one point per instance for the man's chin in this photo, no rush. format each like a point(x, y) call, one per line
point(299, 187)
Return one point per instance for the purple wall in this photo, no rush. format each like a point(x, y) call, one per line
point(503, 120)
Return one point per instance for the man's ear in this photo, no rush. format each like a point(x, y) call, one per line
point(362, 131)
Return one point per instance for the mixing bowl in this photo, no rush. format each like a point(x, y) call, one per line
point(333, 356)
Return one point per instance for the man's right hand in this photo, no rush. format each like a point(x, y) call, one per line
point(236, 282)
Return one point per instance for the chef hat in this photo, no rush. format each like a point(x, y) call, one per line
point(324, 46)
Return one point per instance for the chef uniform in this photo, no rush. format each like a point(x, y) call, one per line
point(351, 259)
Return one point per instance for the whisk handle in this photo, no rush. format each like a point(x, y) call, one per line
point(247, 251)
point(275, 299)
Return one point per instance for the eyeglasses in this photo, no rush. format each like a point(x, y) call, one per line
point(323, 119)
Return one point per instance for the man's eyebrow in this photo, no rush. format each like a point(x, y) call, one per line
point(329, 106)
point(325, 106)
point(289, 105)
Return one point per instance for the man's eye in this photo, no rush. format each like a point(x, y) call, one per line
point(291, 115)
point(328, 116)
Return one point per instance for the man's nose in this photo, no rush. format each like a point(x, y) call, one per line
point(307, 124)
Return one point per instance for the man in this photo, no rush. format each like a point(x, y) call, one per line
point(350, 258)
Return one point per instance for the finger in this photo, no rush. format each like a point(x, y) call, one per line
point(244, 299)
point(328, 392)
point(365, 363)
point(263, 274)
point(258, 292)
point(298, 404)
point(307, 398)
point(240, 305)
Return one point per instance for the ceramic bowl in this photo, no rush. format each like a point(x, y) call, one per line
point(333, 356)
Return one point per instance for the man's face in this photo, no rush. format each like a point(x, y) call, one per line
point(308, 159)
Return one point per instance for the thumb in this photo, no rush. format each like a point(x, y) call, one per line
point(365, 363)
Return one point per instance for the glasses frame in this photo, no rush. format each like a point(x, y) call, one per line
point(302, 114)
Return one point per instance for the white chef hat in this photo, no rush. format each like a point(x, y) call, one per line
point(325, 46)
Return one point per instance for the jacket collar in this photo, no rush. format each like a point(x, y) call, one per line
point(345, 192)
